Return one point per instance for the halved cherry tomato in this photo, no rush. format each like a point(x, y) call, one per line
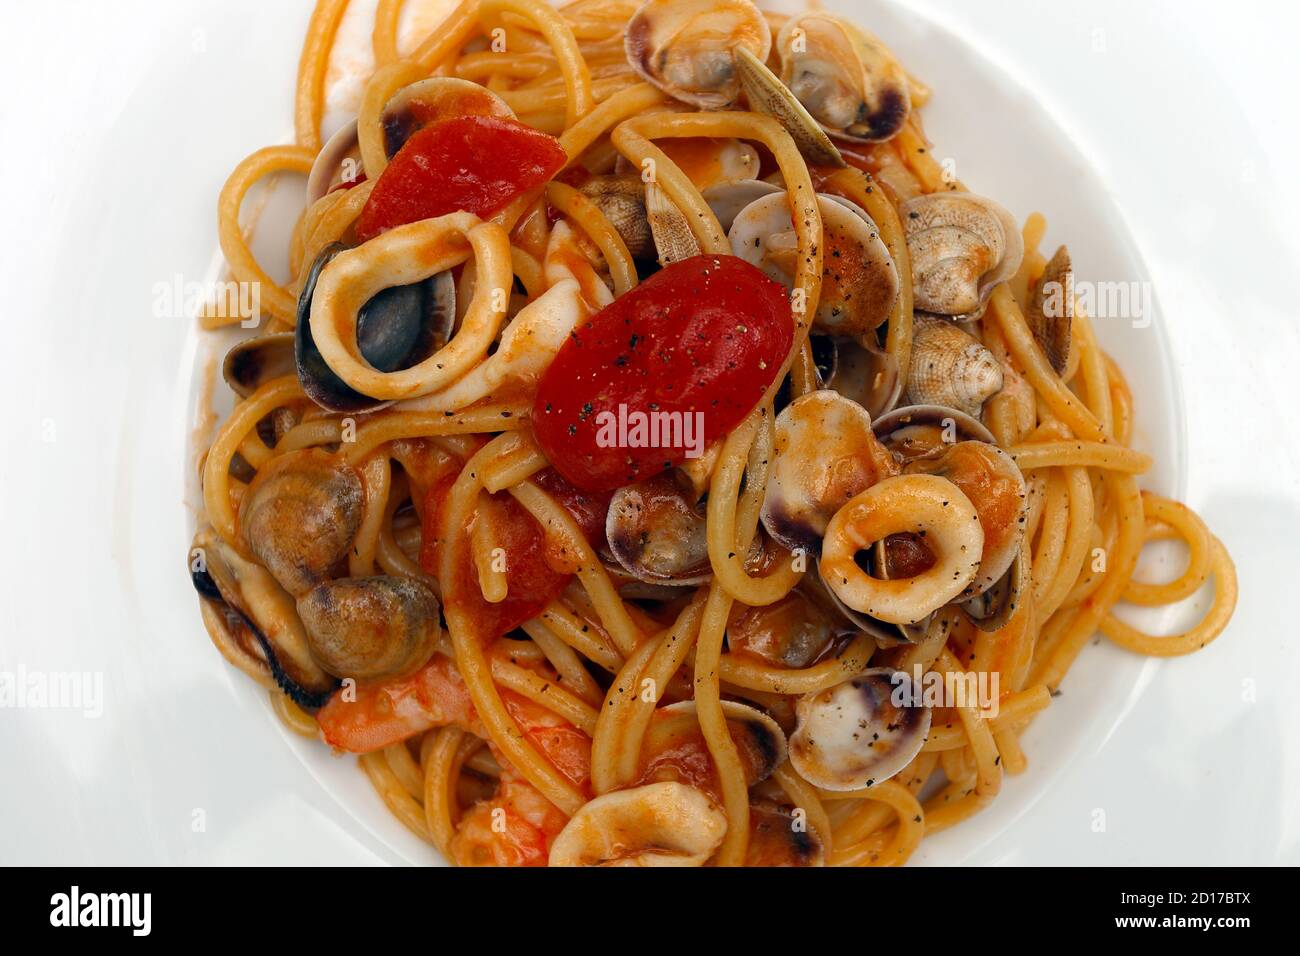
point(532, 581)
point(705, 335)
point(476, 164)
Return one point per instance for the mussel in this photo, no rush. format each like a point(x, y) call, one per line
point(368, 628)
point(300, 516)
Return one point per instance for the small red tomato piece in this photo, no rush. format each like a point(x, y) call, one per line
point(665, 369)
point(587, 508)
point(475, 164)
point(532, 583)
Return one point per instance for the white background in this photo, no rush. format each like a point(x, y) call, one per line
point(120, 124)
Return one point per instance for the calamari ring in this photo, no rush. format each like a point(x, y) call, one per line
point(921, 504)
point(401, 256)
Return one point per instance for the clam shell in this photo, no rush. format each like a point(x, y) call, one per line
point(251, 363)
point(860, 282)
point(430, 100)
point(368, 628)
point(961, 246)
point(950, 367)
point(1051, 312)
point(853, 735)
point(657, 532)
point(826, 453)
point(672, 234)
point(300, 516)
point(767, 94)
point(687, 47)
point(850, 83)
point(622, 200)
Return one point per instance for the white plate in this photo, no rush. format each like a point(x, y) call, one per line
point(186, 762)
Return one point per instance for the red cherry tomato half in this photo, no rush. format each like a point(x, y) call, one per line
point(476, 164)
point(666, 368)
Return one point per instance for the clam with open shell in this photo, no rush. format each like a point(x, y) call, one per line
point(846, 78)
point(687, 47)
point(962, 246)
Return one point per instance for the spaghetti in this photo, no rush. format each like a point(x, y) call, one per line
point(546, 647)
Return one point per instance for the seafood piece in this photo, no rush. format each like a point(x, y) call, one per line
point(826, 452)
point(300, 515)
point(367, 628)
point(962, 246)
point(705, 160)
point(994, 485)
point(846, 78)
point(252, 362)
point(687, 47)
point(1051, 313)
point(992, 609)
point(794, 632)
point(859, 280)
point(658, 824)
point(926, 505)
point(527, 346)
point(396, 329)
point(856, 734)
point(674, 743)
point(916, 430)
point(338, 161)
point(777, 838)
point(258, 616)
point(950, 367)
point(672, 234)
point(864, 373)
point(728, 199)
point(622, 200)
point(428, 101)
point(767, 94)
point(657, 531)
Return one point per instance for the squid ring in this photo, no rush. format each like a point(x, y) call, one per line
point(401, 256)
point(926, 505)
